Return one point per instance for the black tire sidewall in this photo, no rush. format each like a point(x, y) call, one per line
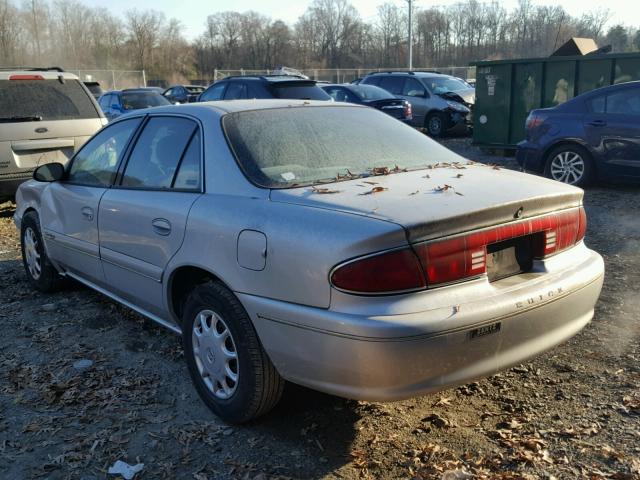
point(49, 278)
point(589, 169)
point(213, 297)
point(439, 116)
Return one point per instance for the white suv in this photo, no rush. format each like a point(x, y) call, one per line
point(45, 116)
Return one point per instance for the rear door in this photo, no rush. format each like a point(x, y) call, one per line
point(43, 120)
point(142, 219)
point(69, 209)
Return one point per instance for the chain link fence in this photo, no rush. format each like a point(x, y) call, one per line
point(343, 75)
point(113, 79)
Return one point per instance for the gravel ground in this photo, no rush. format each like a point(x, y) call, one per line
point(573, 412)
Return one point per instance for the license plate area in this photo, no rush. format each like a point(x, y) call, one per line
point(510, 257)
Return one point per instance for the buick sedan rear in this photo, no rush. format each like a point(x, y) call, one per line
point(322, 244)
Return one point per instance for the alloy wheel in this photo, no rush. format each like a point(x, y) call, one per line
point(567, 167)
point(435, 125)
point(215, 354)
point(31, 254)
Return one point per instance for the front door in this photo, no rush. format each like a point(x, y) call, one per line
point(69, 209)
point(142, 219)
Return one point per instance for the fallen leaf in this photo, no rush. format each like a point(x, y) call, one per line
point(374, 190)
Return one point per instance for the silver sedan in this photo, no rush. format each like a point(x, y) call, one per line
point(327, 245)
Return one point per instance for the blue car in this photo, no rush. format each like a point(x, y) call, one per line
point(117, 102)
point(594, 136)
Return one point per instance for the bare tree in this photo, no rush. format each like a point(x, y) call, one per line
point(144, 29)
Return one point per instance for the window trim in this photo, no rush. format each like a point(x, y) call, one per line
point(117, 183)
point(124, 153)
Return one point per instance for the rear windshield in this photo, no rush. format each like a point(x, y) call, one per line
point(45, 99)
point(284, 148)
point(300, 91)
point(195, 89)
point(370, 92)
point(142, 99)
point(94, 88)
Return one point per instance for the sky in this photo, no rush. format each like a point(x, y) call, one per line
point(193, 13)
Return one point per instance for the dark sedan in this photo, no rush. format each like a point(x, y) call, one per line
point(183, 93)
point(595, 136)
point(117, 102)
point(371, 96)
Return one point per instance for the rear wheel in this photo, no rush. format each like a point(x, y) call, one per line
point(435, 124)
point(570, 164)
point(231, 371)
point(41, 274)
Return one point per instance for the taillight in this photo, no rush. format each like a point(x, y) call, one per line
point(408, 112)
point(26, 77)
point(394, 271)
point(456, 258)
point(533, 121)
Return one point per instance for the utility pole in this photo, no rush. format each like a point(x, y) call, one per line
point(410, 2)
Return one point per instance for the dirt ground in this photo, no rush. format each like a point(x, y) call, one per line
point(573, 412)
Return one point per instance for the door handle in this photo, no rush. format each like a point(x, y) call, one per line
point(161, 226)
point(87, 213)
point(598, 123)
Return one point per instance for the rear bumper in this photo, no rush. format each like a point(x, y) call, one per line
point(529, 157)
point(392, 357)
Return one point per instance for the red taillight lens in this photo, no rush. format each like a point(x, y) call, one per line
point(26, 77)
point(533, 121)
point(456, 258)
point(408, 112)
point(394, 271)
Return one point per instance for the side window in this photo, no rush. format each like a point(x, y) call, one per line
point(188, 177)
point(393, 84)
point(169, 92)
point(596, 104)
point(95, 164)
point(154, 159)
point(213, 93)
point(625, 102)
point(413, 88)
point(236, 91)
point(255, 90)
point(337, 94)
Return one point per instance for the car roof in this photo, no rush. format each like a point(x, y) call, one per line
point(222, 107)
point(269, 78)
point(412, 73)
point(46, 74)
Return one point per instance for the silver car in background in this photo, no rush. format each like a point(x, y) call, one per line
point(325, 244)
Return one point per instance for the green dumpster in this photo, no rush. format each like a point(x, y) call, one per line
point(507, 90)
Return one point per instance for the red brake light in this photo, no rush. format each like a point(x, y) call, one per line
point(395, 271)
point(26, 77)
point(408, 112)
point(456, 258)
point(533, 121)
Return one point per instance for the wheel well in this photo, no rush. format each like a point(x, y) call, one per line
point(182, 281)
point(571, 143)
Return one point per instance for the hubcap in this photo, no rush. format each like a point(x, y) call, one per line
point(215, 354)
point(435, 125)
point(32, 257)
point(567, 167)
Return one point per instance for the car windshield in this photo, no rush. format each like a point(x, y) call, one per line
point(142, 99)
point(445, 84)
point(45, 100)
point(370, 92)
point(290, 147)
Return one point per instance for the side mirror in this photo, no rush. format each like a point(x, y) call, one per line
point(49, 172)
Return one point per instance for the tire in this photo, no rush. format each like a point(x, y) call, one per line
point(41, 274)
point(214, 320)
point(571, 164)
point(435, 124)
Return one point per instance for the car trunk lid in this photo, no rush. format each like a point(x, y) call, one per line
point(445, 200)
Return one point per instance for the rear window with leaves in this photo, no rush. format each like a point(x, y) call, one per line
point(290, 147)
point(45, 99)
